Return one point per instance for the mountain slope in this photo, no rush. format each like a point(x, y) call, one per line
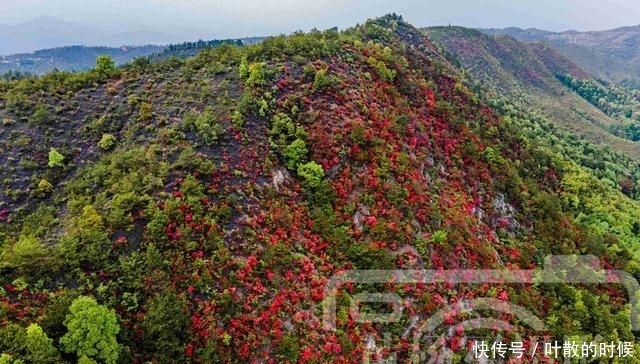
point(609, 54)
point(527, 76)
point(209, 202)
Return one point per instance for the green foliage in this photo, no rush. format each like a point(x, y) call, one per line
point(18, 102)
point(288, 349)
point(283, 132)
point(56, 312)
point(40, 348)
point(321, 80)
point(295, 153)
point(86, 360)
point(26, 249)
point(236, 119)
point(40, 115)
point(206, 124)
point(312, 173)
point(105, 66)
point(243, 69)
point(613, 100)
point(256, 74)
point(45, 186)
point(107, 141)
point(145, 113)
point(439, 237)
point(13, 339)
point(55, 158)
point(309, 46)
point(381, 69)
point(92, 331)
point(366, 257)
point(166, 327)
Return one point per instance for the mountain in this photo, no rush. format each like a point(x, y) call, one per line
point(49, 32)
point(609, 54)
point(82, 58)
point(71, 58)
point(527, 75)
point(323, 197)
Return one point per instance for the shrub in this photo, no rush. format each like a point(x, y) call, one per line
point(55, 158)
point(45, 186)
point(439, 237)
point(321, 80)
point(92, 331)
point(367, 257)
point(257, 74)
point(40, 115)
point(107, 142)
point(40, 348)
point(243, 69)
point(166, 327)
point(145, 112)
point(236, 119)
point(295, 153)
point(85, 360)
point(312, 173)
point(105, 66)
point(26, 249)
point(205, 125)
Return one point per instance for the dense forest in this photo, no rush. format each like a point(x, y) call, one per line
point(195, 210)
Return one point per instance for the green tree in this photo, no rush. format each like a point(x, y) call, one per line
point(26, 249)
point(295, 153)
point(312, 173)
point(55, 158)
point(107, 141)
point(85, 360)
point(166, 327)
point(105, 65)
point(92, 331)
point(40, 348)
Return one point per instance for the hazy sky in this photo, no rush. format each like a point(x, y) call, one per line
point(233, 18)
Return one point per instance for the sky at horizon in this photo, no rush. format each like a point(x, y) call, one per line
point(239, 18)
point(137, 22)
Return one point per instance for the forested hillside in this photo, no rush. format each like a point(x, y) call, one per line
point(195, 211)
point(608, 54)
point(531, 76)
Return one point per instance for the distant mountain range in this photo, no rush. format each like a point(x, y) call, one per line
point(50, 32)
point(80, 58)
point(46, 44)
point(71, 58)
point(609, 54)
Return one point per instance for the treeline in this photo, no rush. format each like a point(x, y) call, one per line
point(201, 44)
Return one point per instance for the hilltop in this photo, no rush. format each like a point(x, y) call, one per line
point(199, 208)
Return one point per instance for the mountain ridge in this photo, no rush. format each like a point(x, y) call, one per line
point(608, 54)
point(203, 208)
